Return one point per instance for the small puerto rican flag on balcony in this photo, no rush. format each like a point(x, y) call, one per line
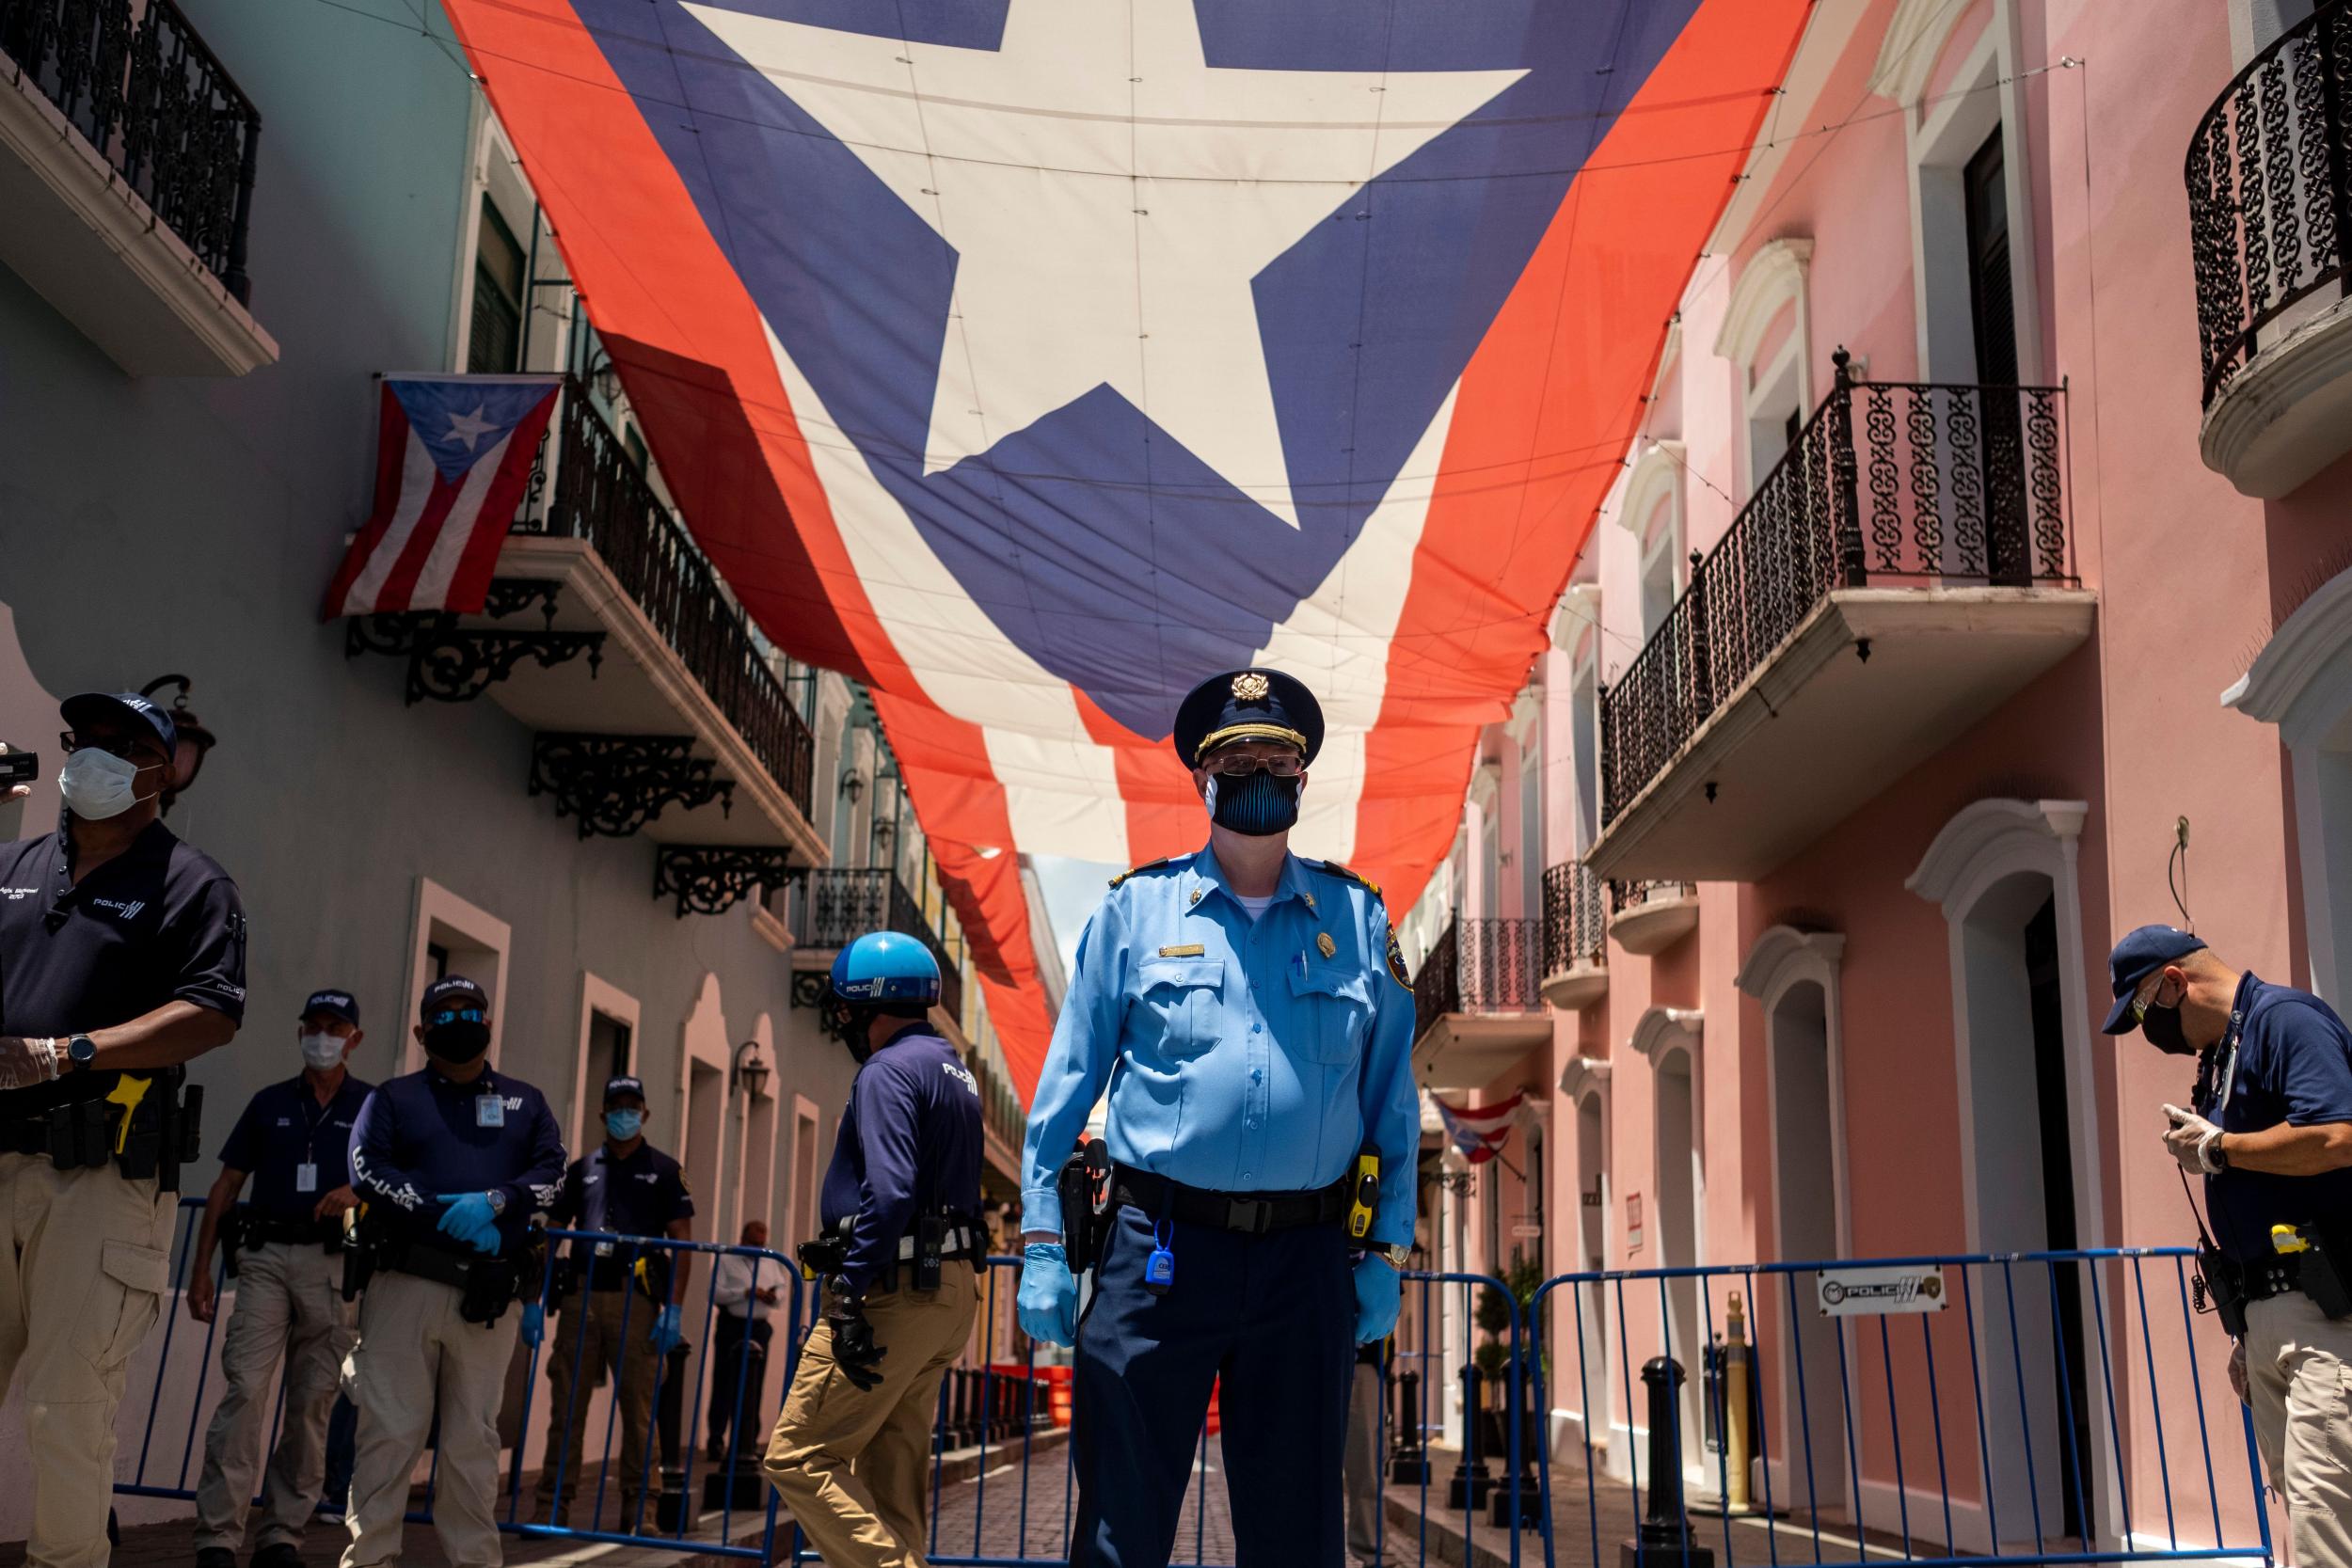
point(452, 455)
point(1478, 1132)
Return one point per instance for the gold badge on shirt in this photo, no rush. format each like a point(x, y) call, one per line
point(1324, 945)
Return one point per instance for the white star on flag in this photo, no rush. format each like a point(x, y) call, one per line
point(1118, 198)
point(471, 428)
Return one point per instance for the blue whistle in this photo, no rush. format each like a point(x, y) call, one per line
point(1159, 1270)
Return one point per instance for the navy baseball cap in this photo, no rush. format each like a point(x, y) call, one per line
point(2139, 954)
point(340, 1003)
point(624, 1085)
point(126, 707)
point(453, 990)
point(1247, 704)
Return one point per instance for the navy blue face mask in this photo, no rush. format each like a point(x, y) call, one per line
point(1255, 805)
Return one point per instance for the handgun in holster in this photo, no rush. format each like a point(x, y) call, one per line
point(825, 1255)
point(651, 1273)
point(232, 1239)
point(1084, 1186)
point(494, 1284)
point(362, 1242)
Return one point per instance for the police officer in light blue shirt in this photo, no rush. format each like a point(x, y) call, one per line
point(1247, 1013)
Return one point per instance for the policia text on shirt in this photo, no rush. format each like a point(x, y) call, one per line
point(121, 956)
point(2270, 1130)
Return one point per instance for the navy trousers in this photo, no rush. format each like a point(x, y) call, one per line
point(1273, 1316)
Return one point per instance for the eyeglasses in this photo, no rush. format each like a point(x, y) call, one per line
point(1285, 765)
point(127, 748)
point(454, 1015)
point(2148, 999)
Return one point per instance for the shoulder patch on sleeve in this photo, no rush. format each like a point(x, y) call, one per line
point(1396, 962)
point(1148, 865)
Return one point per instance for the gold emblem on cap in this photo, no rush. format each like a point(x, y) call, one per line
point(1324, 945)
point(1251, 686)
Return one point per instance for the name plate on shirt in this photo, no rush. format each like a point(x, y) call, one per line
point(1182, 950)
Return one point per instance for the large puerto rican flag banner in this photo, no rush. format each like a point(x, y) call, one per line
point(453, 453)
point(1031, 360)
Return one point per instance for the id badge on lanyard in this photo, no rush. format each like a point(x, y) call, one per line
point(489, 1111)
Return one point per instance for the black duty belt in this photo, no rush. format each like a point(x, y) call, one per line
point(25, 1136)
point(1248, 1213)
point(427, 1262)
point(263, 1229)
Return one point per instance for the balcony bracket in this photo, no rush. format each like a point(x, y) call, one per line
point(509, 596)
point(710, 878)
point(809, 986)
point(451, 663)
point(617, 784)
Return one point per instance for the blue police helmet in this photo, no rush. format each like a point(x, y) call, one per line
point(885, 967)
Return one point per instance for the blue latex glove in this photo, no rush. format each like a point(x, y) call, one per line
point(1379, 1293)
point(668, 1330)
point(470, 1220)
point(535, 1325)
point(1048, 1303)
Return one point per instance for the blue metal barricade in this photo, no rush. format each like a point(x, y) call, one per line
point(1957, 1411)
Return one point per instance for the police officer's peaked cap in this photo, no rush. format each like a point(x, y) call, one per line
point(340, 1004)
point(624, 1087)
point(2141, 953)
point(1247, 704)
point(125, 707)
point(453, 990)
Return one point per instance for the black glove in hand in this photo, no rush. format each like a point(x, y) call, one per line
point(853, 1348)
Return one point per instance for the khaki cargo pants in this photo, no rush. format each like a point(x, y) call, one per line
point(290, 1303)
point(573, 1368)
point(85, 1261)
point(415, 1354)
point(853, 1466)
point(2298, 1379)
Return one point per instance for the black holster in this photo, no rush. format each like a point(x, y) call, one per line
point(232, 1239)
point(2223, 1283)
point(1084, 1186)
point(2321, 1277)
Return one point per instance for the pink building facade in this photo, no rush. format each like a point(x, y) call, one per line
point(1977, 583)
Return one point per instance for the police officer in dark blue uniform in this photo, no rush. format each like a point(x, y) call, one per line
point(1247, 1013)
point(625, 1314)
point(453, 1164)
point(121, 956)
point(285, 1253)
point(900, 1209)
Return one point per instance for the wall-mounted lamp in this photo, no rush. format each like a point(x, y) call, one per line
point(852, 784)
point(750, 1068)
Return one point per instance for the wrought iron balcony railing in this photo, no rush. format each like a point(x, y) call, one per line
point(1888, 485)
point(1479, 966)
point(837, 907)
point(601, 497)
point(1576, 924)
point(138, 83)
point(2269, 175)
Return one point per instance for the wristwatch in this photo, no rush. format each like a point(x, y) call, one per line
point(498, 1200)
point(80, 1050)
point(1390, 1253)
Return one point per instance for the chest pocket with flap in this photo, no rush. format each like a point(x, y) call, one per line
point(1178, 1004)
point(1334, 1004)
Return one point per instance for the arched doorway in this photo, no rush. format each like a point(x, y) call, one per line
point(1590, 1384)
point(2004, 874)
point(1795, 975)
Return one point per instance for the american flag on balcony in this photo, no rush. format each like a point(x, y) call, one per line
point(1478, 1132)
point(1030, 360)
point(452, 454)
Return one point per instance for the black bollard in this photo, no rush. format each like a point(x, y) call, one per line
point(1408, 1460)
point(1530, 1514)
point(1665, 1536)
point(1470, 1485)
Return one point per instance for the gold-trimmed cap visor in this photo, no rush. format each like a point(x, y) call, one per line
point(1230, 733)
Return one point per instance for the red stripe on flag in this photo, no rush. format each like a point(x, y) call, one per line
point(1164, 815)
point(1597, 296)
point(391, 451)
point(400, 584)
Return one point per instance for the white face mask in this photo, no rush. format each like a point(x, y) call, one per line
point(322, 1050)
point(97, 785)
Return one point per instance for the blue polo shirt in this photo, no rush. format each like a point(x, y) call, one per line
point(284, 1128)
point(2291, 1063)
point(909, 1145)
point(422, 1135)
